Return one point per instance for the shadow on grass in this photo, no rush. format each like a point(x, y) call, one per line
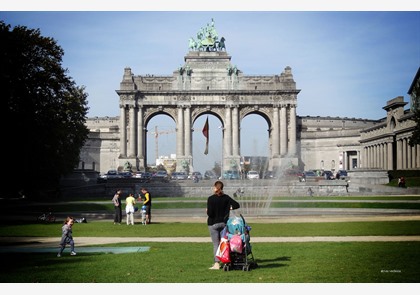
point(270, 263)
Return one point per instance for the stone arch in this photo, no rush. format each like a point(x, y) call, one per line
point(157, 133)
point(261, 114)
point(208, 89)
point(150, 116)
point(202, 112)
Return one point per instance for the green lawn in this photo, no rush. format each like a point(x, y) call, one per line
point(386, 202)
point(300, 262)
point(107, 229)
point(351, 262)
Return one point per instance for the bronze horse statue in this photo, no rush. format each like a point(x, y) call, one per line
point(221, 44)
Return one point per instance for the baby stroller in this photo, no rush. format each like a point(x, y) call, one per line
point(237, 234)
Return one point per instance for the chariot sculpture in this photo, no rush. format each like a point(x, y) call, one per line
point(207, 40)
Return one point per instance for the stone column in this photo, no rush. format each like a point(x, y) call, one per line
point(132, 134)
point(140, 137)
point(362, 163)
point(123, 132)
point(228, 132)
point(380, 156)
point(283, 130)
point(187, 142)
point(180, 133)
point(399, 154)
point(404, 153)
point(413, 157)
point(385, 155)
point(390, 158)
point(292, 134)
point(235, 131)
point(365, 158)
point(345, 160)
point(418, 156)
point(409, 155)
point(374, 157)
point(275, 133)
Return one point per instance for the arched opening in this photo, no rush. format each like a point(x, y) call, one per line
point(254, 143)
point(160, 142)
point(213, 160)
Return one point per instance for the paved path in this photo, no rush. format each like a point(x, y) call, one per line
point(42, 242)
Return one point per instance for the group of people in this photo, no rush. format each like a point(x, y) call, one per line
point(130, 208)
point(218, 210)
point(130, 201)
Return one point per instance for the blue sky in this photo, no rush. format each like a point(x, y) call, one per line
point(346, 63)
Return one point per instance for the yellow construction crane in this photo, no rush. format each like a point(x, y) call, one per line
point(156, 133)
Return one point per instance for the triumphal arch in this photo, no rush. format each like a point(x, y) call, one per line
point(207, 83)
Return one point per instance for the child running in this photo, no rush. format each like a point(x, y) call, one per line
point(67, 236)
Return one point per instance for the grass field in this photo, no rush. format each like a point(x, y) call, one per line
point(168, 262)
point(353, 262)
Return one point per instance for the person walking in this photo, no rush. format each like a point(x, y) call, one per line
point(130, 201)
point(117, 207)
point(148, 203)
point(67, 236)
point(218, 208)
point(310, 192)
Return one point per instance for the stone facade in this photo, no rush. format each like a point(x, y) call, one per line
point(330, 143)
point(385, 145)
point(208, 84)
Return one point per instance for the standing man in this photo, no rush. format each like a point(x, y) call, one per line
point(117, 207)
point(148, 203)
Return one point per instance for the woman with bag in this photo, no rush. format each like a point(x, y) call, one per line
point(218, 208)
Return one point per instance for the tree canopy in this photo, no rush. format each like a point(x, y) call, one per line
point(44, 126)
point(415, 137)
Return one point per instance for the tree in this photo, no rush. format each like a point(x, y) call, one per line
point(46, 112)
point(415, 137)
